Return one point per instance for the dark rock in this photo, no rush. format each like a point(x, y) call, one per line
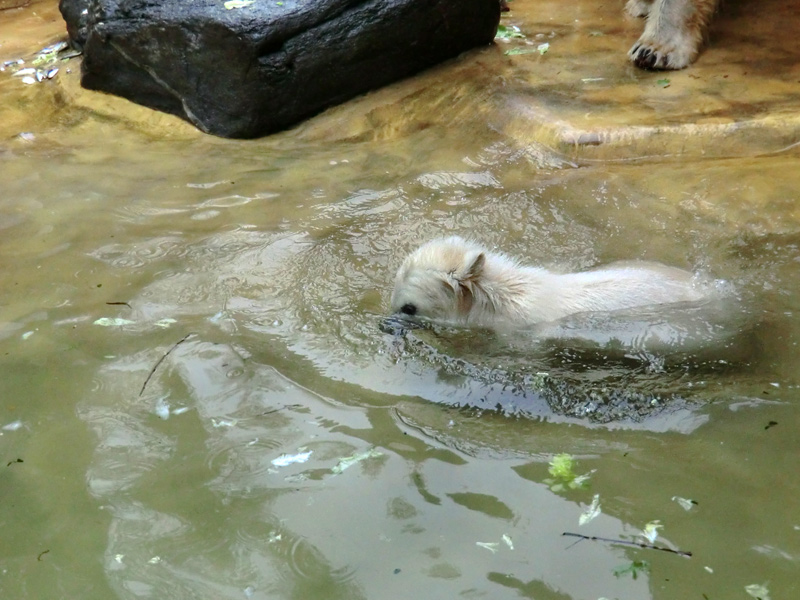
point(257, 69)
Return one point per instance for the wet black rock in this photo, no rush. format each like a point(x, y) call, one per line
point(244, 69)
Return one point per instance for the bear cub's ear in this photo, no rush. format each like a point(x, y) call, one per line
point(472, 268)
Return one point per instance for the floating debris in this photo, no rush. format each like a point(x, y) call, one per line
point(231, 4)
point(284, 460)
point(28, 80)
point(161, 409)
point(650, 531)
point(592, 512)
point(26, 335)
point(507, 540)
point(491, 546)
point(155, 560)
point(685, 503)
point(11, 63)
point(109, 322)
point(348, 461)
point(757, 591)
point(633, 569)
point(13, 426)
point(223, 423)
point(508, 32)
point(562, 469)
point(164, 323)
point(23, 72)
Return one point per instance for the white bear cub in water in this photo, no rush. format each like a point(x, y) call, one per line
point(458, 281)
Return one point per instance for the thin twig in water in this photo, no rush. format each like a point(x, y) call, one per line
point(119, 304)
point(595, 538)
point(160, 360)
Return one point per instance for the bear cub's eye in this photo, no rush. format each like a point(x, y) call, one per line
point(408, 309)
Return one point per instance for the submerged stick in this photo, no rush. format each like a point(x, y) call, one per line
point(160, 360)
point(595, 538)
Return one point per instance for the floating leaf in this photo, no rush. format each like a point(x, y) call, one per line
point(284, 460)
point(650, 531)
point(348, 461)
point(562, 469)
point(512, 31)
point(231, 4)
point(758, 591)
point(491, 546)
point(633, 569)
point(664, 83)
point(164, 323)
point(685, 503)
point(592, 512)
point(108, 322)
point(543, 48)
point(515, 51)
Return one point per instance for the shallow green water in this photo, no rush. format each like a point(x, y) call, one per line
point(276, 259)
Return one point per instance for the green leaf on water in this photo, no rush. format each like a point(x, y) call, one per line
point(562, 469)
point(664, 83)
point(512, 31)
point(515, 51)
point(633, 569)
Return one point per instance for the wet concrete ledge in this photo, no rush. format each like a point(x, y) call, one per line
point(584, 99)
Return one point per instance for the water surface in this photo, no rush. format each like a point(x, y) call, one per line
point(179, 311)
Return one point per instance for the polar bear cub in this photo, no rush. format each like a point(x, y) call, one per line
point(460, 282)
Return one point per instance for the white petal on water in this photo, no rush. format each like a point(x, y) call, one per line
point(507, 540)
point(285, 460)
point(758, 591)
point(650, 531)
point(23, 72)
point(231, 4)
point(223, 422)
point(685, 503)
point(26, 335)
point(28, 80)
point(591, 512)
point(348, 461)
point(108, 322)
point(13, 426)
point(491, 546)
point(164, 323)
point(155, 560)
point(180, 411)
point(162, 409)
point(118, 558)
